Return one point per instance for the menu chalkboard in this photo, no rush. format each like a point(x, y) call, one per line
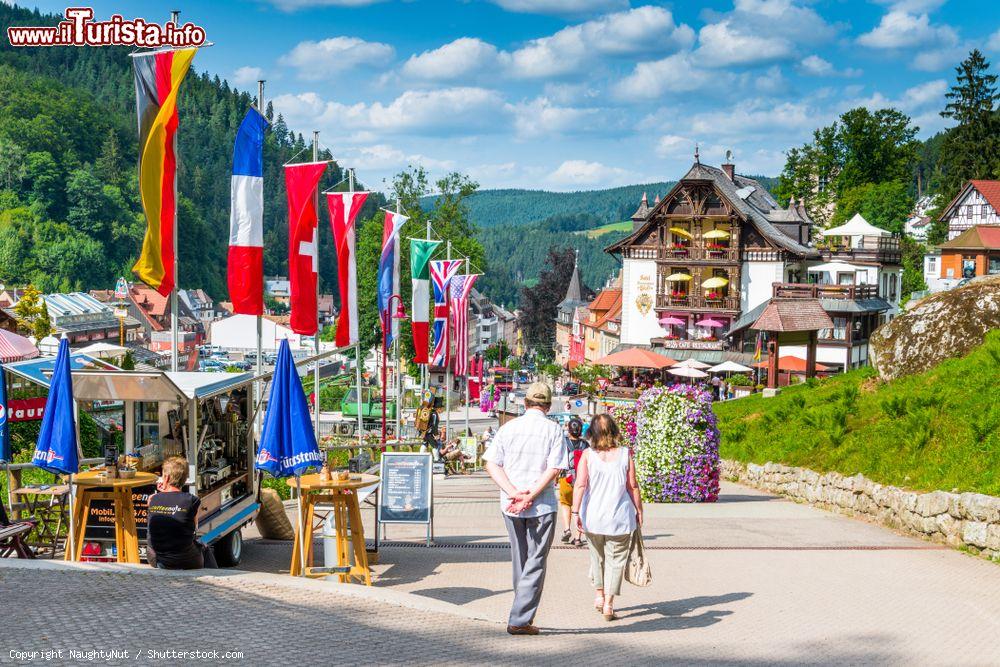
point(406, 488)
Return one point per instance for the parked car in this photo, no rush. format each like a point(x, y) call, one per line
point(571, 389)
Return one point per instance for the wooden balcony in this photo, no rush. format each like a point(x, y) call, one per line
point(697, 253)
point(878, 249)
point(808, 291)
point(697, 302)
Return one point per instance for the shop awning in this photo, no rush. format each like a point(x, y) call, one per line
point(40, 370)
point(14, 347)
point(636, 357)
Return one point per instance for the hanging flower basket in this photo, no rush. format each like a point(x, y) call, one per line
point(676, 443)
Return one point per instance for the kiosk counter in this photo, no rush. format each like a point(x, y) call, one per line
point(207, 418)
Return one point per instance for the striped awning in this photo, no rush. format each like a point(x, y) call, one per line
point(14, 347)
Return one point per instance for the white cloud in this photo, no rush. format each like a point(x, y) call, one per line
point(756, 117)
point(318, 60)
point(723, 44)
point(244, 76)
point(382, 157)
point(815, 66)
point(541, 118)
point(899, 29)
point(455, 60)
point(760, 31)
point(448, 110)
point(561, 7)
point(643, 30)
point(674, 146)
point(993, 43)
point(295, 5)
point(580, 173)
point(912, 6)
point(935, 60)
point(676, 73)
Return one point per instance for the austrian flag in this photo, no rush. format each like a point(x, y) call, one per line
point(344, 208)
point(245, 273)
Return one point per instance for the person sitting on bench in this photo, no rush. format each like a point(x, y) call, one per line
point(173, 520)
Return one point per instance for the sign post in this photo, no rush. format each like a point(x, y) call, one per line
point(407, 494)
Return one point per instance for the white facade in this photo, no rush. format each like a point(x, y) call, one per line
point(756, 282)
point(239, 332)
point(639, 321)
point(970, 210)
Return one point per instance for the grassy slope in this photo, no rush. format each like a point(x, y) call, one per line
point(936, 430)
point(624, 226)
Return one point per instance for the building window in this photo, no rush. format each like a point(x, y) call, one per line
point(932, 265)
point(823, 181)
point(994, 265)
point(892, 287)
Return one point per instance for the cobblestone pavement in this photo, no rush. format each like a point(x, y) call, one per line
point(749, 580)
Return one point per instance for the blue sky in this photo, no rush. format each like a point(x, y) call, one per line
point(573, 94)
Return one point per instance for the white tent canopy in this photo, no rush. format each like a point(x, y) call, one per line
point(691, 363)
point(686, 372)
point(856, 226)
point(730, 367)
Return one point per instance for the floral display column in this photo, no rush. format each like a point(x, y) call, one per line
point(673, 433)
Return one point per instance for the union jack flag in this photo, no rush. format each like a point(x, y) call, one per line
point(461, 288)
point(442, 272)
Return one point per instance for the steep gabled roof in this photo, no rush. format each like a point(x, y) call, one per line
point(980, 237)
point(745, 195)
point(990, 190)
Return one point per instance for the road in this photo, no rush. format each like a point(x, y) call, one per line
point(752, 579)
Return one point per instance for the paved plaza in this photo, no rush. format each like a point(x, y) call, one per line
point(752, 579)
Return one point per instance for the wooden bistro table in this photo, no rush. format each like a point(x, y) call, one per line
point(343, 497)
point(92, 486)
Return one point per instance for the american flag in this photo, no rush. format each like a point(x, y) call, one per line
point(442, 273)
point(461, 288)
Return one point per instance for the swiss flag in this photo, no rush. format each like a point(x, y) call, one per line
point(301, 181)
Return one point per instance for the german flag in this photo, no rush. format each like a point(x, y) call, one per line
point(158, 76)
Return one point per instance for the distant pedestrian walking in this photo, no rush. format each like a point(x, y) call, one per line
point(608, 508)
point(524, 459)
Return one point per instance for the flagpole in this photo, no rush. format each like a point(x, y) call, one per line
point(260, 318)
point(467, 350)
point(395, 363)
point(302, 537)
point(175, 19)
point(357, 348)
point(425, 370)
point(316, 336)
point(447, 364)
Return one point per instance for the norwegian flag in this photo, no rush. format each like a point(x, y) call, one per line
point(461, 288)
point(442, 272)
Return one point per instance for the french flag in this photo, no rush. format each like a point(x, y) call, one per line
point(246, 218)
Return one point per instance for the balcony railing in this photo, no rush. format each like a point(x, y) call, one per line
point(882, 249)
point(804, 291)
point(696, 302)
point(699, 254)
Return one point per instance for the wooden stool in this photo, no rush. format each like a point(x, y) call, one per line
point(343, 499)
point(92, 486)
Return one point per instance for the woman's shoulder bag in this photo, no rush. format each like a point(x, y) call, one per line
point(637, 570)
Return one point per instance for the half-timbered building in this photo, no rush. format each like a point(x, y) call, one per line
point(713, 252)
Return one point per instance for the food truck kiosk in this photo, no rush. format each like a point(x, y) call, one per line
point(206, 417)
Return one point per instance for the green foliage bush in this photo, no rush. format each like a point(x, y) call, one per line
point(935, 430)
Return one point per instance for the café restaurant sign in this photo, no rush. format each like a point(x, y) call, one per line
point(26, 409)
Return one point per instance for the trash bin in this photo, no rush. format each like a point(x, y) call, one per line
point(330, 543)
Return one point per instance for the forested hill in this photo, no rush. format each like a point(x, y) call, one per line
point(490, 208)
point(70, 216)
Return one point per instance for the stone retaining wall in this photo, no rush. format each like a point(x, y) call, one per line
point(970, 520)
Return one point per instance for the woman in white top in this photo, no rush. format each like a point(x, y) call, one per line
point(608, 507)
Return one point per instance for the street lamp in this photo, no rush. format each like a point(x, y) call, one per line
point(400, 314)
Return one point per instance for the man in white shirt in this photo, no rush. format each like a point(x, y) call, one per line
point(524, 459)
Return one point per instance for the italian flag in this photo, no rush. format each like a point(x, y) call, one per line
point(420, 256)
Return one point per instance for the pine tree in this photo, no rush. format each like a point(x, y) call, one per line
point(970, 148)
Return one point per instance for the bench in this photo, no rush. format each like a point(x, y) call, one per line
point(12, 536)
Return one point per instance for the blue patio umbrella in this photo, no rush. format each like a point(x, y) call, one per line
point(5, 452)
point(57, 450)
point(287, 441)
